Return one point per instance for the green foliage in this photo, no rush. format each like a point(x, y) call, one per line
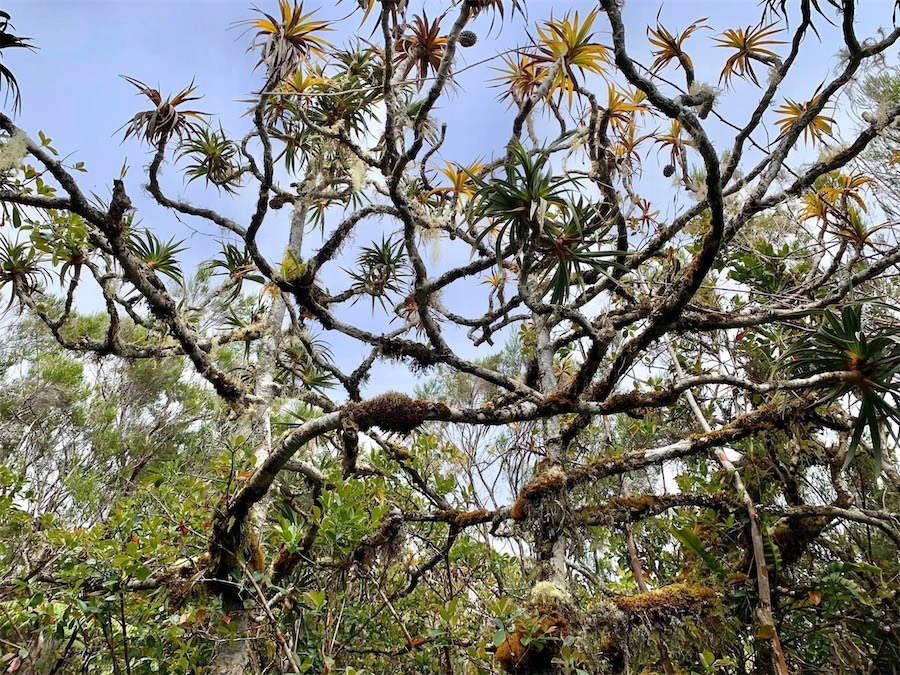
point(127, 445)
point(765, 269)
point(65, 239)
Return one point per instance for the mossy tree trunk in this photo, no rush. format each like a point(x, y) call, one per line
point(234, 657)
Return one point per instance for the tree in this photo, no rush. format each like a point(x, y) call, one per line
point(682, 459)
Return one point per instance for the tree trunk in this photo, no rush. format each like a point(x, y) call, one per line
point(235, 658)
point(552, 551)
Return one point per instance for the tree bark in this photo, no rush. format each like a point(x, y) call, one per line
point(233, 657)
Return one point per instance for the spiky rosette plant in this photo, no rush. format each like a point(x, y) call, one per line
point(8, 40)
point(496, 7)
point(381, 271)
point(518, 204)
point(238, 266)
point(421, 49)
point(166, 119)
point(535, 213)
point(20, 268)
point(159, 256)
point(213, 158)
point(841, 343)
point(571, 243)
point(287, 40)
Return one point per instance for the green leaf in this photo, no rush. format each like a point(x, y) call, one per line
point(689, 539)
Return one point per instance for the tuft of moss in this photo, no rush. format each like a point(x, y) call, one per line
point(391, 411)
point(350, 438)
point(633, 503)
point(462, 518)
point(543, 645)
point(417, 356)
point(384, 539)
point(795, 536)
point(738, 580)
point(669, 600)
point(180, 581)
point(256, 561)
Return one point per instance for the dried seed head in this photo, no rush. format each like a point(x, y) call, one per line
point(467, 38)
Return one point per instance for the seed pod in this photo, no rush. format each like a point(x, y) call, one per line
point(668, 170)
point(467, 38)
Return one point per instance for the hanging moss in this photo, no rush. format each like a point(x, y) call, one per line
point(350, 438)
point(416, 356)
point(385, 539)
point(794, 537)
point(547, 481)
point(256, 561)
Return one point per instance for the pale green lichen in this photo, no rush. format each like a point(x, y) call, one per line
point(13, 151)
point(547, 593)
point(706, 97)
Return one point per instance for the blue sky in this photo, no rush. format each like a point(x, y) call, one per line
point(72, 91)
